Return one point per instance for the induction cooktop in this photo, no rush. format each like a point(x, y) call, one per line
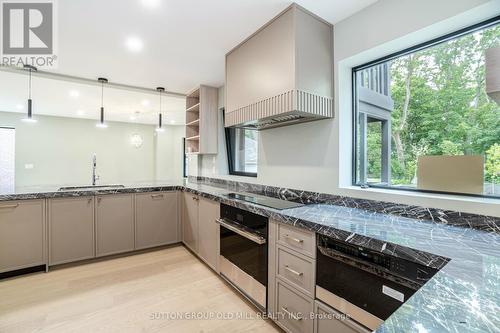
point(264, 201)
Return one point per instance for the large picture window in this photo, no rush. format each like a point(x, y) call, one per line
point(423, 119)
point(242, 151)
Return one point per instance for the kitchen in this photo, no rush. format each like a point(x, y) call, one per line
point(319, 166)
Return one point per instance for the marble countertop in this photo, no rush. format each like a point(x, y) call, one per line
point(52, 191)
point(464, 296)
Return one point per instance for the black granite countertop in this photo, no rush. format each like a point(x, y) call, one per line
point(464, 296)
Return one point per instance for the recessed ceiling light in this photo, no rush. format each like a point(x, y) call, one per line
point(19, 106)
point(74, 93)
point(145, 102)
point(134, 44)
point(151, 3)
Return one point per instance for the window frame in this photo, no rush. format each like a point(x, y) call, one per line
point(418, 47)
point(184, 157)
point(228, 132)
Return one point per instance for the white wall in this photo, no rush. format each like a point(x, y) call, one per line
point(60, 151)
point(317, 156)
point(169, 153)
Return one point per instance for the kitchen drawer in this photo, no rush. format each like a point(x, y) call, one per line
point(328, 320)
point(296, 269)
point(294, 309)
point(297, 239)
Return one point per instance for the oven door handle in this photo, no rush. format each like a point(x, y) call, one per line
point(248, 235)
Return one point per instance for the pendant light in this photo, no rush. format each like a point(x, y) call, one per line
point(101, 123)
point(160, 128)
point(30, 118)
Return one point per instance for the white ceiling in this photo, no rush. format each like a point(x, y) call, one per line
point(63, 98)
point(183, 41)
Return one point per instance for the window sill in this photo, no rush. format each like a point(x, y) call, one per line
point(460, 203)
point(457, 197)
point(243, 174)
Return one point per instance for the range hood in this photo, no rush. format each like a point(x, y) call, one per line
point(282, 74)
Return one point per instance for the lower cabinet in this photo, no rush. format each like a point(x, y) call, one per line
point(114, 224)
point(156, 219)
point(328, 320)
point(200, 231)
point(208, 232)
point(71, 229)
point(291, 283)
point(190, 221)
point(22, 234)
point(294, 309)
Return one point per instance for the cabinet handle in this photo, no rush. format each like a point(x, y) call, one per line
point(196, 198)
point(89, 200)
point(291, 315)
point(10, 206)
point(293, 271)
point(300, 241)
point(99, 200)
point(156, 195)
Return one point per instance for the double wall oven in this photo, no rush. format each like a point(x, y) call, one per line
point(243, 252)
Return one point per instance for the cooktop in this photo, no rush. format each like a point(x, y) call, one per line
point(264, 201)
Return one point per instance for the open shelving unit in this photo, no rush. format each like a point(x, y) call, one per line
point(201, 121)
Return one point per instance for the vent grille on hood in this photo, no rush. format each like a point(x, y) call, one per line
point(275, 122)
point(294, 106)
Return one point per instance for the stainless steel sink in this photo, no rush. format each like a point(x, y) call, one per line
point(91, 188)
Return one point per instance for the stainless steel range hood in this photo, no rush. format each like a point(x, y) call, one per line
point(282, 74)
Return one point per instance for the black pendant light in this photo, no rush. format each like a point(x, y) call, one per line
point(30, 118)
point(101, 122)
point(160, 128)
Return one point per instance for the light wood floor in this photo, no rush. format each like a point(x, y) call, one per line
point(128, 294)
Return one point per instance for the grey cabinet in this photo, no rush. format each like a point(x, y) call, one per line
point(114, 224)
point(201, 120)
point(328, 320)
point(295, 309)
point(156, 219)
point(71, 229)
point(208, 232)
point(190, 221)
point(297, 239)
point(22, 234)
point(292, 267)
point(296, 269)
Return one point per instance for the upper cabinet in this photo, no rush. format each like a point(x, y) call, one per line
point(282, 74)
point(201, 121)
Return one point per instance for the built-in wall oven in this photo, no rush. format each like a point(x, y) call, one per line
point(243, 252)
point(366, 285)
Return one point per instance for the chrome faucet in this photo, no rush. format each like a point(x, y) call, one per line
point(95, 177)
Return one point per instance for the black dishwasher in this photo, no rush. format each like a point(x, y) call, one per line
point(367, 285)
